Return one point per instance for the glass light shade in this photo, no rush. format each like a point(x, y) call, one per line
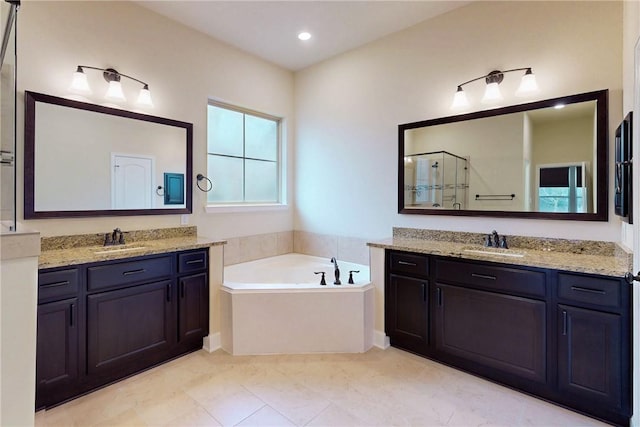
point(79, 84)
point(144, 98)
point(114, 92)
point(528, 85)
point(492, 93)
point(460, 100)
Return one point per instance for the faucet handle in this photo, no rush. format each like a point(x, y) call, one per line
point(322, 281)
point(503, 242)
point(351, 275)
point(488, 242)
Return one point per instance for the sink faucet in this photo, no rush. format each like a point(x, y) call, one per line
point(115, 238)
point(336, 271)
point(496, 238)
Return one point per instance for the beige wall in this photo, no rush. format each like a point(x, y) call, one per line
point(349, 107)
point(183, 68)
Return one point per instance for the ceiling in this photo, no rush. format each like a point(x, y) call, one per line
point(269, 29)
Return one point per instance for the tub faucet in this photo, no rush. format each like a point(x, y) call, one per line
point(336, 271)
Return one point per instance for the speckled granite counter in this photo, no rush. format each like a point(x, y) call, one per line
point(84, 248)
point(585, 256)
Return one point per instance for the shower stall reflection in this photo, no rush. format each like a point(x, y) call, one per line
point(437, 179)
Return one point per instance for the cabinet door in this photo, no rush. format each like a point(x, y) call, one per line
point(193, 307)
point(407, 313)
point(57, 349)
point(490, 330)
point(590, 355)
point(129, 326)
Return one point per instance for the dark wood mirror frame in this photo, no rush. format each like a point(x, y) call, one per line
point(31, 98)
point(602, 157)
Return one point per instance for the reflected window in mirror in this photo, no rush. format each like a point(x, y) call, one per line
point(84, 159)
point(504, 151)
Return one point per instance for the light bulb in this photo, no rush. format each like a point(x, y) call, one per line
point(492, 93)
point(460, 100)
point(144, 98)
point(79, 84)
point(114, 92)
point(304, 36)
point(528, 84)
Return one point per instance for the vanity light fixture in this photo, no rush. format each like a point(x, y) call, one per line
point(528, 85)
point(79, 84)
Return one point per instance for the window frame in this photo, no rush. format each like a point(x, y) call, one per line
point(573, 196)
point(280, 203)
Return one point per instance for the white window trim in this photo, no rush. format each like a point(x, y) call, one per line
point(279, 205)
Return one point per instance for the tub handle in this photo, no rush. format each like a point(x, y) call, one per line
point(322, 281)
point(351, 275)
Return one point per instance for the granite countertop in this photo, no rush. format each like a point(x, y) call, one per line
point(80, 249)
point(605, 258)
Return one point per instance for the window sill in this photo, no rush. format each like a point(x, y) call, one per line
point(245, 208)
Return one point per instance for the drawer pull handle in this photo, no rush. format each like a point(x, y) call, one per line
point(439, 296)
point(564, 322)
point(412, 264)
point(72, 309)
point(182, 289)
point(169, 293)
point(483, 276)
point(56, 284)
point(424, 292)
point(587, 290)
point(195, 261)
point(129, 273)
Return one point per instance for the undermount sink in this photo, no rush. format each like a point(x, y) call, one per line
point(496, 253)
point(115, 249)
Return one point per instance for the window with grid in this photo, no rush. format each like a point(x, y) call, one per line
point(243, 156)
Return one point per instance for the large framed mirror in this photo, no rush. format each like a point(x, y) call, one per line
point(545, 159)
point(85, 160)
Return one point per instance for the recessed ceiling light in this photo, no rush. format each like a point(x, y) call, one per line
point(304, 36)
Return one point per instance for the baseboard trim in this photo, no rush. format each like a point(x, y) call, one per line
point(381, 340)
point(212, 342)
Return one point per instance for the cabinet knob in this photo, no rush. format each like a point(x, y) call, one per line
point(629, 277)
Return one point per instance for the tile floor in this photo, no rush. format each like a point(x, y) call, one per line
point(378, 388)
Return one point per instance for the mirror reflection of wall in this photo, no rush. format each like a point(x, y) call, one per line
point(77, 168)
point(505, 153)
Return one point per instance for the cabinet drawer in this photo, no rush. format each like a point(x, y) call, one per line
point(117, 274)
point(591, 290)
point(58, 284)
point(192, 261)
point(512, 280)
point(408, 263)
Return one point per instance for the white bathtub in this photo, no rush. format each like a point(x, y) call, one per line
point(277, 306)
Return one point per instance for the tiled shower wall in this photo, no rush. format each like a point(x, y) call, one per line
point(249, 248)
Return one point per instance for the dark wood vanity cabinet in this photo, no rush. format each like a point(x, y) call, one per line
point(558, 335)
point(101, 322)
point(407, 301)
point(128, 327)
point(58, 339)
point(594, 345)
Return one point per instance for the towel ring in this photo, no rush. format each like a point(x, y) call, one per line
point(200, 177)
